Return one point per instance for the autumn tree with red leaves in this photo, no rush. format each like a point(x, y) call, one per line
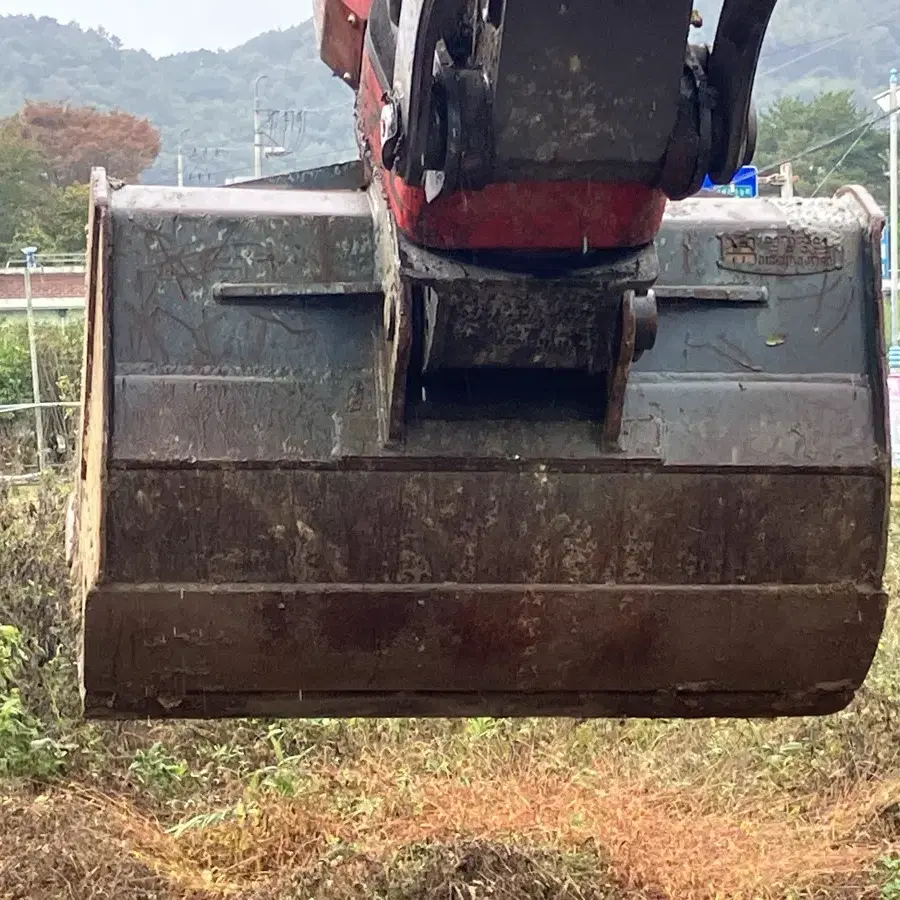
point(72, 140)
point(47, 152)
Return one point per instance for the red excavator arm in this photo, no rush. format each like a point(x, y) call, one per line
point(536, 125)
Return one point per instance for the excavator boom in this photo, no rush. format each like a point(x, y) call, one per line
point(500, 419)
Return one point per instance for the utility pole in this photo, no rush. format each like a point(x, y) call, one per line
point(787, 181)
point(888, 101)
point(32, 350)
point(257, 128)
point(894, 350)
point(181, 157)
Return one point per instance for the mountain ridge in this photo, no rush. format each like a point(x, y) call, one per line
point(201, 98)
point(204, 98)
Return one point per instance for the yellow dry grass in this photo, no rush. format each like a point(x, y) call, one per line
point(463, 811)
point(661, 843)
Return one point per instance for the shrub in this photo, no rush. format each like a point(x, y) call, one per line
point(59, 366)
point(25, 750)
point(34, 599)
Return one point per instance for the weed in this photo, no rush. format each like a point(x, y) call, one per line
point(402, 809)
point(499, 871)
point(157, 770)
point(34, 598)
point(25, 751)
point(890, 870)
point(479, 728)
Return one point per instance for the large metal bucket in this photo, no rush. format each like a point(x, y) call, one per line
point(250, 545)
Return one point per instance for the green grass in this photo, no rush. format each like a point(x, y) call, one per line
point(426, 808)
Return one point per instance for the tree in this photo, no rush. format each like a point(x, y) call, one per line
point(21, 183)
point(202, 98)
point(57, 223)
point(46, 154)
point(73, 140)
point(791, 126)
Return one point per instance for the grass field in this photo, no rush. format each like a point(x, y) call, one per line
point(423, 810)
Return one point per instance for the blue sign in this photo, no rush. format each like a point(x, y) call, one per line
point(886, 252)
point(744, 184)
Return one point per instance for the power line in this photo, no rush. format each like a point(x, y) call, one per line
point(837, 165)
point(285, 130)
point(288, 127)
point(865, 126)
point(830, 42)
point(803, 56)
point(793, 48)
point(303, 161)
point(204, 152)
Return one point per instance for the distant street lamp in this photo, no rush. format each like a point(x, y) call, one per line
point(180, 161)
point(30, 254)
point(257, 127)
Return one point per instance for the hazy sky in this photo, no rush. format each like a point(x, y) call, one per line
point(170, 26)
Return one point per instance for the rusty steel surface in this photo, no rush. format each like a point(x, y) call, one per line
point(526, 329)
point(342, 176)
point(663, 646)
point(252, 207)
point(257, 544)
point(573, 98)
point(445, 704)
point(524, 524)
point(525, 325)
point(569, 100)
point(340, 28)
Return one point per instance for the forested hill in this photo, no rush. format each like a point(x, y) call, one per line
point(207, 94)
point(819, 45)
point(813, 45)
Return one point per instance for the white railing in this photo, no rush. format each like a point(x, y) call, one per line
point(21, 407)
point(51, 261)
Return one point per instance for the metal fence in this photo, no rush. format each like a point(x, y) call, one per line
point(29, 264)
point(74, 261)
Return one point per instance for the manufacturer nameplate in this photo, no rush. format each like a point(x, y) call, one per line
point(780, 253)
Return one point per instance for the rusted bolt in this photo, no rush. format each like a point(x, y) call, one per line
point(353, 20)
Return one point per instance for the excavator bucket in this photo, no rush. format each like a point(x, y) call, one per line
point(300, 496)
